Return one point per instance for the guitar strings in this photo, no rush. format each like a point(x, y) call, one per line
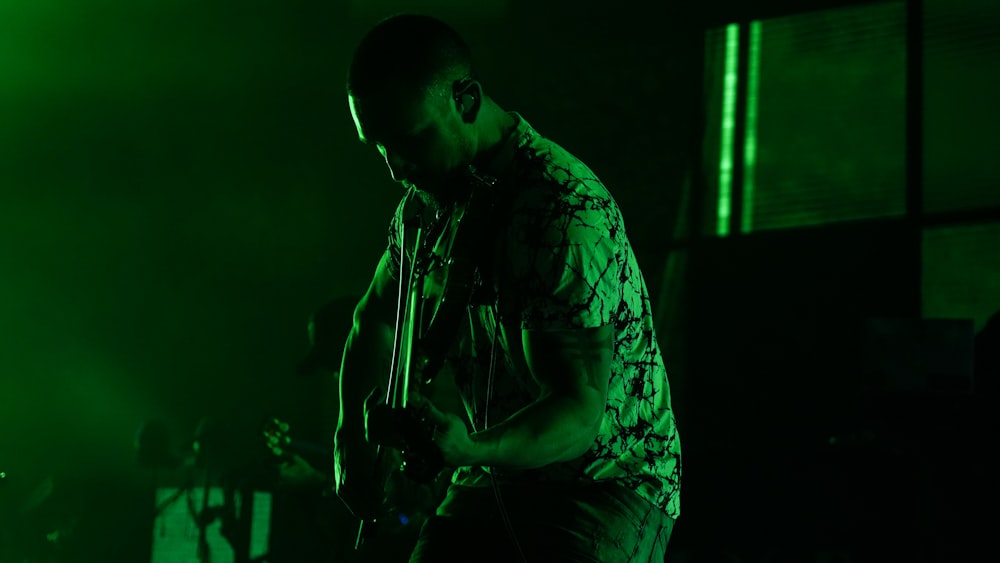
point(504, 515)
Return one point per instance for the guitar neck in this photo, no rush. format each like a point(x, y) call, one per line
point(319, 456)
point(310, 450)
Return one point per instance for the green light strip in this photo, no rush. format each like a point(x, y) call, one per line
point(750, 143)
point(728, 127)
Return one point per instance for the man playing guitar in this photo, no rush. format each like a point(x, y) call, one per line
point(508, 262)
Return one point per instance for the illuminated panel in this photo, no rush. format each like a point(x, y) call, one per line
point(961, 272)
point(176, 534)
point(826, 118)
point(961, 114)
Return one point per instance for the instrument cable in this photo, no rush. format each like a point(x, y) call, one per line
point(486, 424)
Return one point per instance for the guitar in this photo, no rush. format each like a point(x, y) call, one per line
point(407, 504)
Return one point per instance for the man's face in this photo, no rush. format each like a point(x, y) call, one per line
point(422, 137)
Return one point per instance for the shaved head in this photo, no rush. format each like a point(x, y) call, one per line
point(413, 96)
point(411, 55)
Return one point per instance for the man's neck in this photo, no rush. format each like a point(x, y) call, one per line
point(495, 130)
point(495, 127)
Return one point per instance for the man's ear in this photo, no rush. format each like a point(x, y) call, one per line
point(468, 96)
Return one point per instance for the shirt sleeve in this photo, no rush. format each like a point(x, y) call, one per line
point(565, 259)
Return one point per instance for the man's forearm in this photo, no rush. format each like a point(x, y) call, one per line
point(364, 367)
point(362, 370)
point(553, 429)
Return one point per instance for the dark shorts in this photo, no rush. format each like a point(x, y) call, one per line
point(603, 522)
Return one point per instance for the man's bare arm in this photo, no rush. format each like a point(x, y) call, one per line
point(368, 350)
point(572, 368)
point(364, 367)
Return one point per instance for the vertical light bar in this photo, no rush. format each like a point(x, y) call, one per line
point(728, 129)
point(750, 142)
point(260, 525)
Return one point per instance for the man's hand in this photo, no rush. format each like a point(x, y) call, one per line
point(357, 478)
point(451, 435)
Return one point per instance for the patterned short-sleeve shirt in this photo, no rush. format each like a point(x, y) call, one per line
point(560, 259)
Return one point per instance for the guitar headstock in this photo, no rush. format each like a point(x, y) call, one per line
point(276, 435)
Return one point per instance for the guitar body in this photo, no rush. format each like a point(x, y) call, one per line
point(421, 460)
point(407, 504)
